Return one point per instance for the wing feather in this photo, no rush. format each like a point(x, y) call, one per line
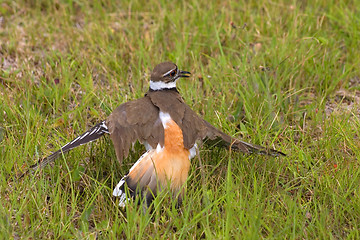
point(132, 121)
point(195, 128)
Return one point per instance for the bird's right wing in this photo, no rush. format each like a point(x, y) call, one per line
point(216, 137)
point(195, 128)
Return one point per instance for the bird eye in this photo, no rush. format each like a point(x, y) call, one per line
point(173, 73)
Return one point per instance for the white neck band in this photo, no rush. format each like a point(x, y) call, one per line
point(161, 85)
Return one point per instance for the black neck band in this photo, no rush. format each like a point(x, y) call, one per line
point(164, 89)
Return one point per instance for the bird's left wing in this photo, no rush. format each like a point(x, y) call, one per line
point(94, 133)
point(132, 121)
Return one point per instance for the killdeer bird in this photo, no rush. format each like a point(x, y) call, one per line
point(167, 127)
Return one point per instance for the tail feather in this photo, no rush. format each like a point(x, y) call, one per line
point(140, 181)
point(94, 133)
point(119, 191)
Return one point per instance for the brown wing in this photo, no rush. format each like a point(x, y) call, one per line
point(195, 128)
point(132, 121)
point(204, 131)
point(217, 137)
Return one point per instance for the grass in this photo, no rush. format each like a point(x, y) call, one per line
point(277, 73)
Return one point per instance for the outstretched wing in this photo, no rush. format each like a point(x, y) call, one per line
point(213, 136)
point(94, 133)
point(132, 121)
point(217, 137)
point(195, 128)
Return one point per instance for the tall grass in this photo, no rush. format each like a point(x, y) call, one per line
point(277, 73)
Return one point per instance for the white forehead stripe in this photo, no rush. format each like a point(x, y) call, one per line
point(169, 72)
point(162, 85)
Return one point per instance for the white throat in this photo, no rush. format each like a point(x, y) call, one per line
point(162, 85)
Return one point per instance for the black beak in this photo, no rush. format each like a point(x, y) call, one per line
point(184, 74)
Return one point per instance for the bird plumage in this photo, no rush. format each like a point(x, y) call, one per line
point(171, 143)
point(91, 135)
point(158, 168)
